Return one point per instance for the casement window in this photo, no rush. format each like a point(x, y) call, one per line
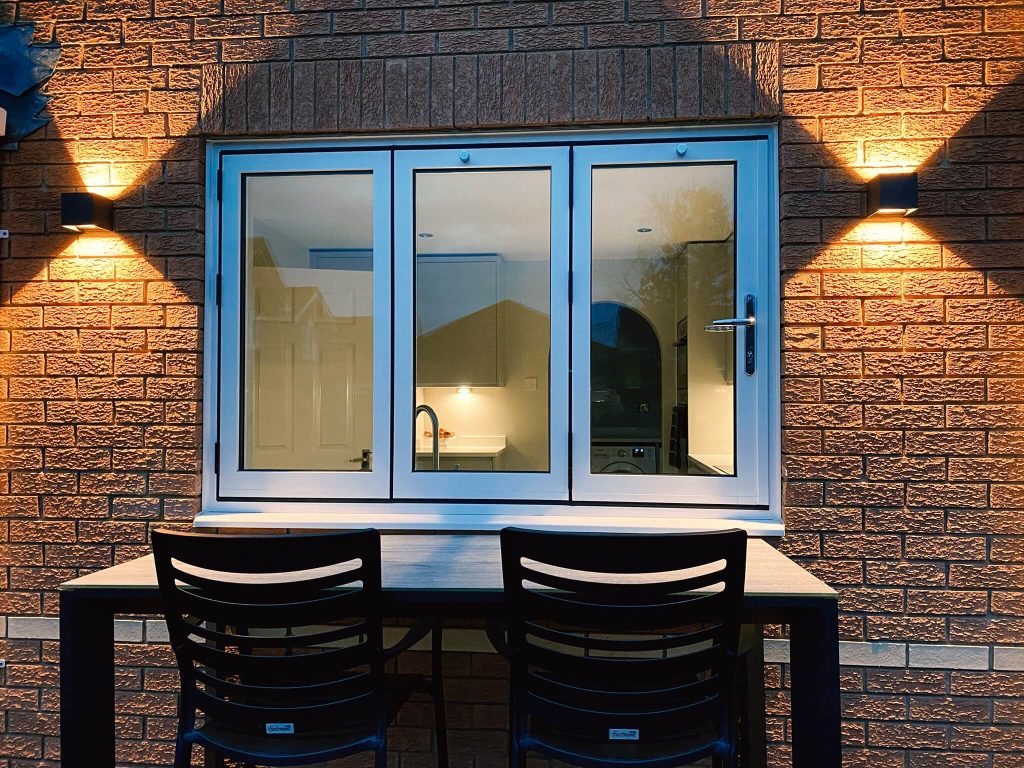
point(591, 318)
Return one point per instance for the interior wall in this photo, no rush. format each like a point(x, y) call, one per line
point(518, 409)
point(711, 360)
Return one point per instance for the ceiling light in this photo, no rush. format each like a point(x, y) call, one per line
point(643, 230)
point(425, 234)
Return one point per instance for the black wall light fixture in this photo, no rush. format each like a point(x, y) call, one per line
point(82, 211)
point(892, 194)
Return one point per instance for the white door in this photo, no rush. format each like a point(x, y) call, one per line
point(481, 324)
point(305, 326)
point(310, 403)
point(671, 369)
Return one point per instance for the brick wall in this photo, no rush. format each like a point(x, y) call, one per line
point(904, 340)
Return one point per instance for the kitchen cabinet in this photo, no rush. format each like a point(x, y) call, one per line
point(458, 321)
point(458, 463)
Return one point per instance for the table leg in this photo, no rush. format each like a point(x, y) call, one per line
point(755, 752)
point(86, 681)
point(814, 665)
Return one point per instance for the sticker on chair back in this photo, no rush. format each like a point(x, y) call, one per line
point(275, 729)
point(624, 734)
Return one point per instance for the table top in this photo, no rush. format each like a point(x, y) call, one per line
point(471, 563)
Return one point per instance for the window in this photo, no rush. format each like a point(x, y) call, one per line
point(674, 249)
point(305, 326)
point(577, 329)
point(481, 323)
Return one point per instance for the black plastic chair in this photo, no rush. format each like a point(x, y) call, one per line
point(622, 647)
point(279, 644)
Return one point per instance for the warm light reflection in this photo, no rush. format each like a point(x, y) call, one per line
point(96, 178)
point(97, 244)
point(110, 177)
point(124, 177)
point(894, 231)
point(114, 259)
point(866, 173)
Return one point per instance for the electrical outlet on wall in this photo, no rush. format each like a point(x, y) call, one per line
point(530, 384)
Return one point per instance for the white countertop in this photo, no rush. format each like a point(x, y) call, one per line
point(723, 462)
point(482, 446)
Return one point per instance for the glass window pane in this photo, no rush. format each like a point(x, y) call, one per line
point(308, 325)
point(662, 387)
point(482, 315)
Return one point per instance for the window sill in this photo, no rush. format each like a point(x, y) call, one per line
point(479, 517)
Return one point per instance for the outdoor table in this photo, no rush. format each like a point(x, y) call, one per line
point(451, 576)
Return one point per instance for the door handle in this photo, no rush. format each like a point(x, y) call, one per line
point(364, 460)
point(749, 324)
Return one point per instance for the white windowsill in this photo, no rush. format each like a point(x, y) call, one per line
point(420, 517)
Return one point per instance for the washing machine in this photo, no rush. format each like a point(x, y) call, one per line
point(624, 459)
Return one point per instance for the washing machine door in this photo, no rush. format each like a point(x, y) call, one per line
point(621, 468)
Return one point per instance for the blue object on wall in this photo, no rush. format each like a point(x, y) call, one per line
point(26, 66)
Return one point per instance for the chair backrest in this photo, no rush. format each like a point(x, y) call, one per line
point(275, 634)
point(621, 643)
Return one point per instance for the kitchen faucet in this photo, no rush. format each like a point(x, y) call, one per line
point(435, 450)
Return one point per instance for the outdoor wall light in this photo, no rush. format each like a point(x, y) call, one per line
point(82, 211)
point(892, 194)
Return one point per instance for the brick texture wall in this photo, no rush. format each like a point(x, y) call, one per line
point(904, 340)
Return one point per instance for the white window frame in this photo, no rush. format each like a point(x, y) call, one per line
point(232, 481)
point(292, 505)
point(749, 486)
point(552, 485)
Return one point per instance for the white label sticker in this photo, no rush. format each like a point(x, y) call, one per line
point(624, 734)
point(278, 728)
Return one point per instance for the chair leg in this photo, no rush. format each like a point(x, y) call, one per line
point(440, 721)
point(212, 759)
point(380, 757)
point(182, 754)
point(516, 757)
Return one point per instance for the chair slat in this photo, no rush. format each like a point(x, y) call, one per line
point(629, 695)
point(339, 688)
point(270, 591)
point(328, 607)
point(588, 641)
point(640, 591)
point(676, 610)
point(319, 637)
point(653, 724)
point(641, 671)
point(618, 755)
point(268, 554)
point(604, 552)
point(314, 666)
point(303, 717)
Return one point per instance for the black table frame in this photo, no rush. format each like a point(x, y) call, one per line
point(87, 661)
